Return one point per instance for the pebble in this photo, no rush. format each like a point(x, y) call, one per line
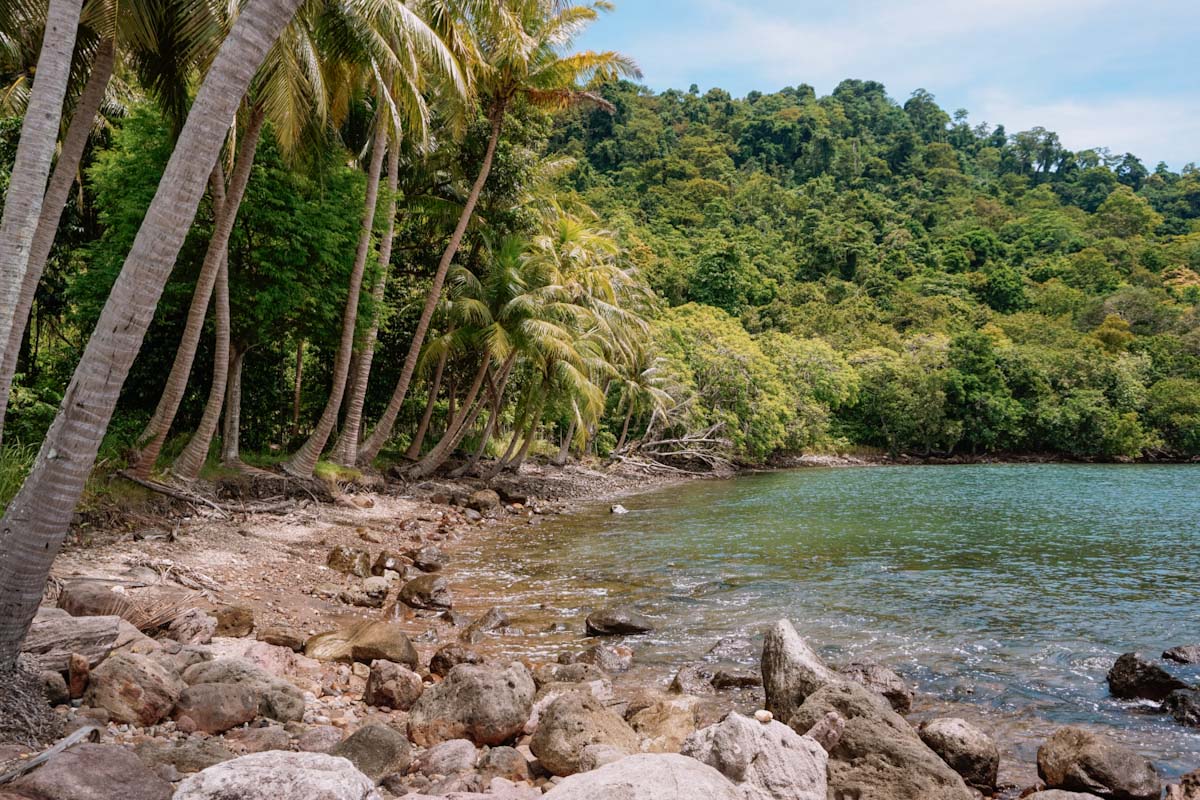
point(763, 716)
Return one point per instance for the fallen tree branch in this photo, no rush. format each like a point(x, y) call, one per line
point(170, 491)
point(88, 732)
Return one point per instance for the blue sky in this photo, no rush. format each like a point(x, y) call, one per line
point(1099, 72)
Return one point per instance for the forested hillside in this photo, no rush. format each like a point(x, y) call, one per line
point(847, 270)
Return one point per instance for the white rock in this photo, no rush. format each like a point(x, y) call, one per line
point(279, 775)
point(650, 776)
point(768, 761)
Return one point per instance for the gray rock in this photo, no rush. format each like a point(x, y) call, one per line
point(189, 755)
point(94, 772)
point(1184, 654)
point(319, 739)
point(376, 750)
point(483, 501)
point(659, 776)
point(484, 703)
point(571, 723)
point(503, 762)
point(277, 699)
point(217, 707)
point(1083, 761)
point(1057, 794)
point(1184, 706)
point(54, 685)
point(736, 679)
point(392, 685)
point(881, 680)
point(372, 594)
point(447, 758)
point(493, 619)
point(1188, 788)
point(608, 658)
point(1134, 676)
point(135, 689)
point(277, 775)
point(767, 761)
point(595, 756)
point(427, 592)
point(429, 558)
point(969, 751)
point(617, 621)
point(578, 672)
point(688, 680)
point(878, 756)
point(258, 740)
point(450, 656)
point(193, 627)
point(791, 671)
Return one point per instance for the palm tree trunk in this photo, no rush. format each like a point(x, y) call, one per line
point(534, 423)
point(625, 428)
point(231, 452)
point(493, 419)
point(564, 452)
point(345, 451)
point(57, 194)
point(414, 449)
point(304, 460)
point(383, 430)
point(227, 200)
point(35, 150)
point(457, 427)
point(296, 386)
point(191, 461)
point(36, 521)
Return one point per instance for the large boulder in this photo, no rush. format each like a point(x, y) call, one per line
point(376, 750)
point(392, 685)
point(278, 775)
point(1083, 761)
point(878, 755)
point(217, 707)
point(1184, 706)
point(791, 670)
point(93, 772)
point(571, 723)
point(277, 699)
point(484, 703)
point(617, 621)
point(881, 680)
point(661, 776)
point(768, 761)
point(135, 689)
point(969, 751)
point(363, 642)
point(427, 592)
point(1134, 677)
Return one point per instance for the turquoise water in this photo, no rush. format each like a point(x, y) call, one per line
point(1003, 592)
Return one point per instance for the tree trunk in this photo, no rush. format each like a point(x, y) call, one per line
point(625, 428)
point(231, 449)
point(564, 452)
point(456, 428)
point(534, 423)
point(296, 386)
point(345, 451)
point(57, 194)
point(414, 449)
point(302, 463)
point(493, 418)
point(227, 200)
point(31, 165)
point(37, 519)
point(383, 430)
point(191, 461)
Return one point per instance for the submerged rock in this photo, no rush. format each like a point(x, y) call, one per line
point(1083, 761)
point(1184, 654)
point(618, 621)
point(1135, 677)
point(427, 592)
point(1184, 706)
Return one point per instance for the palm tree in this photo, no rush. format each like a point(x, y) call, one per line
point(36, 521)
point(400, 84)
point(162, 43)
point(35, 150)
point(519, 61)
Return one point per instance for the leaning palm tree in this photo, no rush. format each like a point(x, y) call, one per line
point(35, 150)
point(161, 43)
point(520, 45)
point(36, 521)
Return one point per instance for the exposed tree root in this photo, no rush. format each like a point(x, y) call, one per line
point(25, 716)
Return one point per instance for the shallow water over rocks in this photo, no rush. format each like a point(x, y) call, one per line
point(1004, 593)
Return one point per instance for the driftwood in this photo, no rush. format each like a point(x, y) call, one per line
point(55, 635)
point(87, 733)
point(171, 491)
